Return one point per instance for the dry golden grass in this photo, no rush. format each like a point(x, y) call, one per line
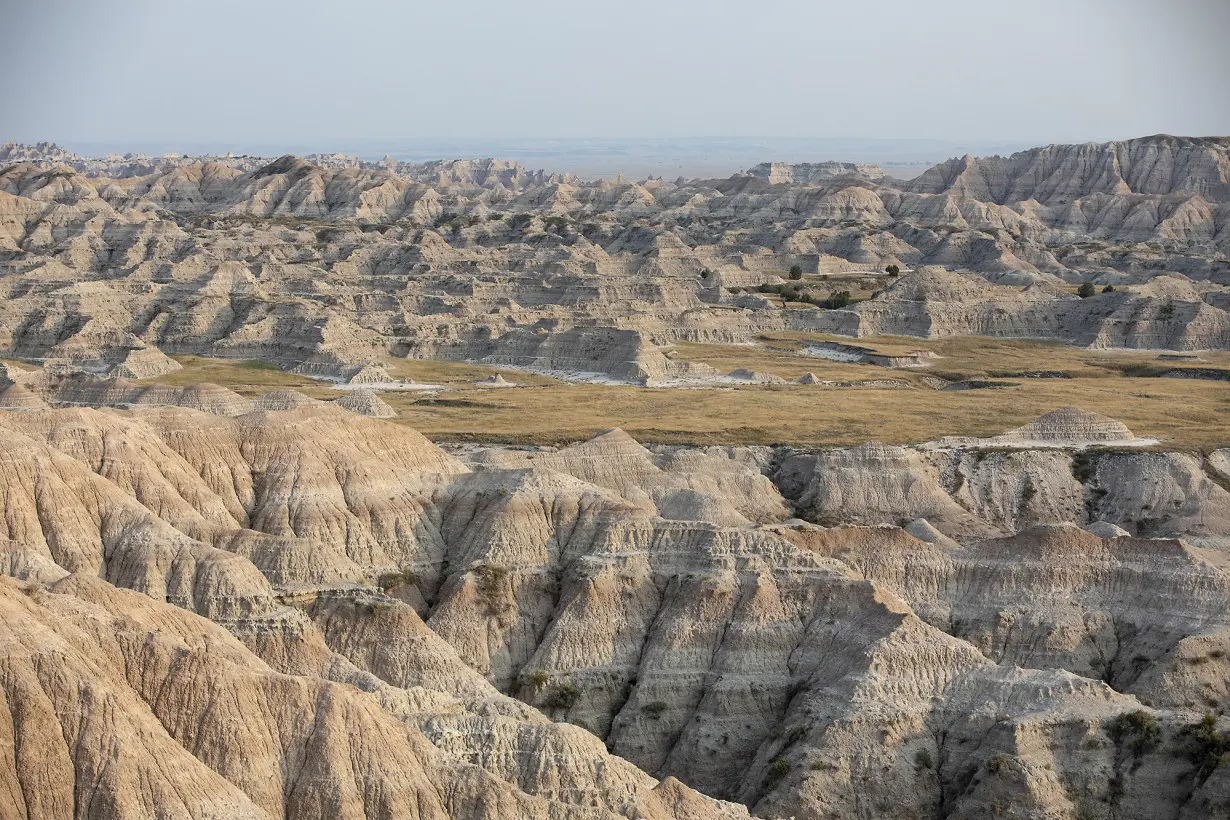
point(246, 377)
point(1183, 413)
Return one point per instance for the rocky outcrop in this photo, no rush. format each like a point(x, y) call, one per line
point(366, 403)
point(933, 302)
point(580, 353)
point(658, 599)
point(1070, 425)
point(328, 266)
point(1159, 165)
point(816, 172)
point(145, 363)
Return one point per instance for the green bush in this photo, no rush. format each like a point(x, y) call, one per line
point(796, 272)
point(779, 768)
point(837, 301)
point(1207, 748)
point(536, 679)
point(1137, 730)
point(893, 270)
point(1086, 290)
point(564, 696)
point(1108, 289)
point(922, 760)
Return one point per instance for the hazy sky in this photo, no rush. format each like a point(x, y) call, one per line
point(326, 74)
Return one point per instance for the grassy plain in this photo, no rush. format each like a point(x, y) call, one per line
point(1183, 413)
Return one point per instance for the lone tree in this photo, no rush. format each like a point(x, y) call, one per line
point(893, 270)
point(1108, 289)
point(1086, 290)
point(796, 272)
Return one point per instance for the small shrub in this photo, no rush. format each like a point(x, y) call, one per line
point(489, 581)
point(1083, 468)
point(389, 581)
point(821, 766)
point(1207, 748)
point(1138, 731)
point(1086, 290)
point(706, 273)
point(536, 679)
point(564, 696)
point(998, 763)
point(1108, 289)
point(922, 760)
point(893, 270)
point(796, 272)
point(655, 709)
point(779, 768)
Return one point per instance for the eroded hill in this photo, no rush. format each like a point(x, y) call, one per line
point(327, 267)
point(391, 630)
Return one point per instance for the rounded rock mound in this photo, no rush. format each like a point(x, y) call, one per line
point(282, 400)
point(366, 403)
point(1071, 424)
point(18, 397)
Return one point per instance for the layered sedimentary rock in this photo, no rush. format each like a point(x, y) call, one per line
point(145, 363)
point(403, 625)
point(932, 302)
point(1161, 165)
point(328, 266)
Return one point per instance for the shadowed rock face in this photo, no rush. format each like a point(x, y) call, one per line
point(310, 613)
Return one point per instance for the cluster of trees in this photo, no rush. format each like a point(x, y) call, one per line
point(1088, 289)
point(795, 293)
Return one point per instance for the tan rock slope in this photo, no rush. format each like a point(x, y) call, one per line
point(392, 629)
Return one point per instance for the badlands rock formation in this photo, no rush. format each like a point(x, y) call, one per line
point(328, 264)
point(220, 604)
point(309, 613)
